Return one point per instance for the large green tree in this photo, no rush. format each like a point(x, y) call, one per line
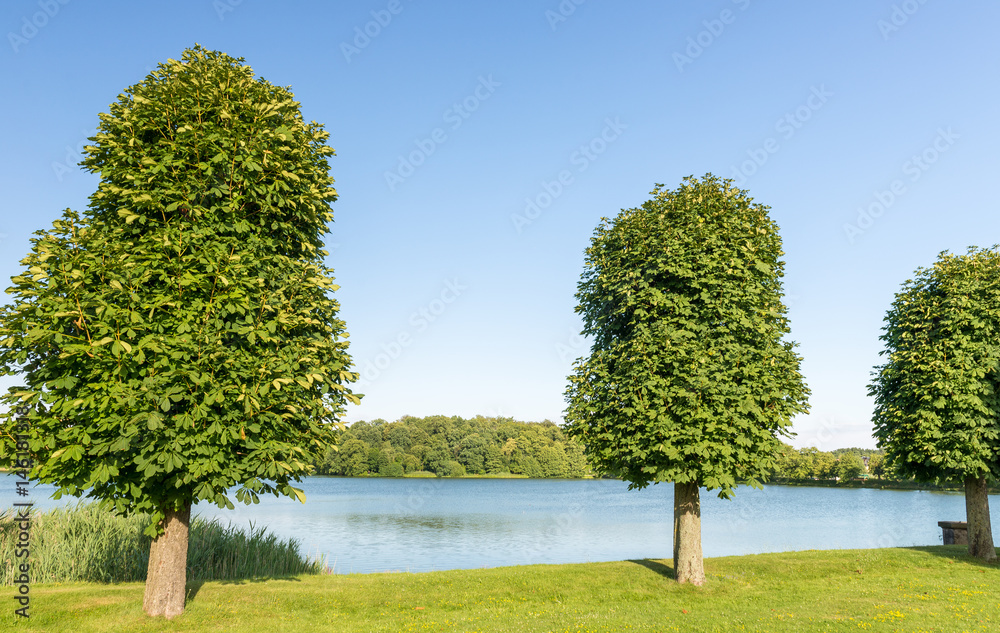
point(937, 397)
point(689, 379)
point(179, 337)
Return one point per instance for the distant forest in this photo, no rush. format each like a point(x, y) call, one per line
point(453, 447)
point(842, 463)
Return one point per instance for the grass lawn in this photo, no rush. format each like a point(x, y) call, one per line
point(913, 589)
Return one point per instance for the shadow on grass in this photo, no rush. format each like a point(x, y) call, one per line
point(192, 590)
point(656, 566)
point(243, 581)
point(194, 586)
point(956, 553)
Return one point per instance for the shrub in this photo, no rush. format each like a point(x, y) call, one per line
point(83, 543)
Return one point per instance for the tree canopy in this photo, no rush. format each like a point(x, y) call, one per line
point(179, 337)
point(689, 378)
point(936, 396)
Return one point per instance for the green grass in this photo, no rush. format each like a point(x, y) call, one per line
point(914, 589)
point(83, 543)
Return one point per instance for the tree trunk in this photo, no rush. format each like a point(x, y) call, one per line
point(166, 575)
point(977, 515)
point(688, 565)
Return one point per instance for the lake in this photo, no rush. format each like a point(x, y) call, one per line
point(370, 525)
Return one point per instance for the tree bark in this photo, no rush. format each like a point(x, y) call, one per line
point(977, 515)
point(688, 564)
point(166, 575)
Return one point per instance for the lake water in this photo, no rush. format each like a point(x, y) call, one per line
point(370, 525)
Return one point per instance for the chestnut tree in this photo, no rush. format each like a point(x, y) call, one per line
point(179, 337)
point(937, 396)
point(689, 378)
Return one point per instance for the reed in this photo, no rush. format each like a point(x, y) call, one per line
point(83, 543)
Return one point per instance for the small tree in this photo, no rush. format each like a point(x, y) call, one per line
point(876, 465)
point(179, 338)
point(688, 378)
point(937, 398)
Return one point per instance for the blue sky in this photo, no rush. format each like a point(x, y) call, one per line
point(479, 144)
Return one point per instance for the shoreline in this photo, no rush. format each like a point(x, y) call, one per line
point(875, 484)
point(879, 484)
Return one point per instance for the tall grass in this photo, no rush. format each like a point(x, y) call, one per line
point(220, 552)
point(86, 544)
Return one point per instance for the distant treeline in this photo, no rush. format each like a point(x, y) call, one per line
point(810, 466)
point(842, 463)
point(453, 447)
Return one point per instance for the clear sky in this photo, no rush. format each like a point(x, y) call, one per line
point(479, 144)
